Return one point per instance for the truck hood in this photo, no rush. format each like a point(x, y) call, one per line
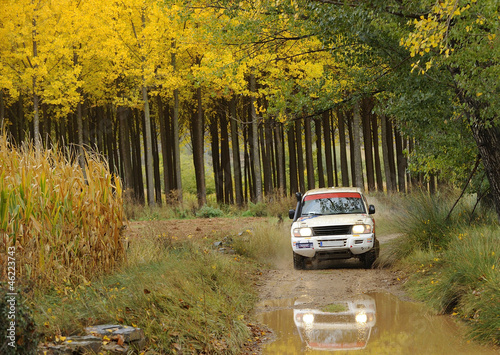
point(342, 219)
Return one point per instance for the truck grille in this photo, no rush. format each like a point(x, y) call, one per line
point(331, 230)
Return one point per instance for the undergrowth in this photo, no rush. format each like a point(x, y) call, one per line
point(187, 295)
point(451, 263)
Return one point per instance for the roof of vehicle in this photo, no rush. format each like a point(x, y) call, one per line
point(333, 189)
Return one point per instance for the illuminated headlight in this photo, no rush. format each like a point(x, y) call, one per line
point(302, 232)
point(361, 318)
point(308, 318)
point(361, 229)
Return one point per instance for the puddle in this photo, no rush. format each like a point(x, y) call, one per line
point(374, 323)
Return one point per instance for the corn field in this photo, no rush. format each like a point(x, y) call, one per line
point(63, 226)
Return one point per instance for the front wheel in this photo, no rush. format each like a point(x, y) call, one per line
point(369, 258)
point(299, 261)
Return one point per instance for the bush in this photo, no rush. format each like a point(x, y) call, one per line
point(255, 210)
point(209, 212)
point(62, 224)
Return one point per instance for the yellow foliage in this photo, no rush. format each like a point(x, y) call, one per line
point(431, 31)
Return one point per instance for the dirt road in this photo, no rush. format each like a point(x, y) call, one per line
point(331, 281)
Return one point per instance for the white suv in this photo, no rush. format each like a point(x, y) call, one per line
point(333, 223)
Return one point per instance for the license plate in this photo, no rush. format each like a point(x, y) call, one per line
point(331, 243)
point(307, 245)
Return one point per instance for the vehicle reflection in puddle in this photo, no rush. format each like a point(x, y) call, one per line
point(340, 325)
point(366, 324)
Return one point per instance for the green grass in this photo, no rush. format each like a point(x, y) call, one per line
point(187, 296)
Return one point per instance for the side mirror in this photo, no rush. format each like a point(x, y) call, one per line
point(291, 214)
point(371, 209)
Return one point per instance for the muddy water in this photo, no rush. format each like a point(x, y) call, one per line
point(376, 323)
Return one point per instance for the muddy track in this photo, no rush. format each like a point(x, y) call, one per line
point(388, 324)
point(330, 281)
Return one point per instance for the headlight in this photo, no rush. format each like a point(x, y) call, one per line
point(302, 232)
point(361, 318)
point(361, 229)
point(308, 318)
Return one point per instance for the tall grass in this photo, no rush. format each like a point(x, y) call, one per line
point(452, 263)
point(62, 225)
point(268, 244)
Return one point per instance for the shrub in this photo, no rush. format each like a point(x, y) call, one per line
point(209, 212)
point(258, 209)
point(62, 224)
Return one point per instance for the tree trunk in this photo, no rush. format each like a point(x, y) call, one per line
point(271, 164)
point(328, 148)
point(280, 157)
point(225, 158)
point(390, 150)
point(309, 155)
point(358, 164)
point(156, 163)
point(344, 169)
point(292, 160)
point(488, 143)
point(218, 176)
point(235, 145)
point(378, 167)
point(125, 140)
point(367, 135)
point(176, 147)
point(148, 147)
point(300, 155)
point(255, 143)
point(247, 132)
point(137, 167)
point(163, 118)
point(81, 156)
point(198, 152)
point(401, 160)
point(109, 142)
point(385, 152)
point(319, 155)
point(265, 148)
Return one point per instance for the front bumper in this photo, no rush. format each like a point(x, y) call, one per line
point(342, 245)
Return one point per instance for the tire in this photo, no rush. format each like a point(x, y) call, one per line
point(369, 258)
point(299, 262)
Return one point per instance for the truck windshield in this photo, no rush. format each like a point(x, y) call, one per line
point(333, 203)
